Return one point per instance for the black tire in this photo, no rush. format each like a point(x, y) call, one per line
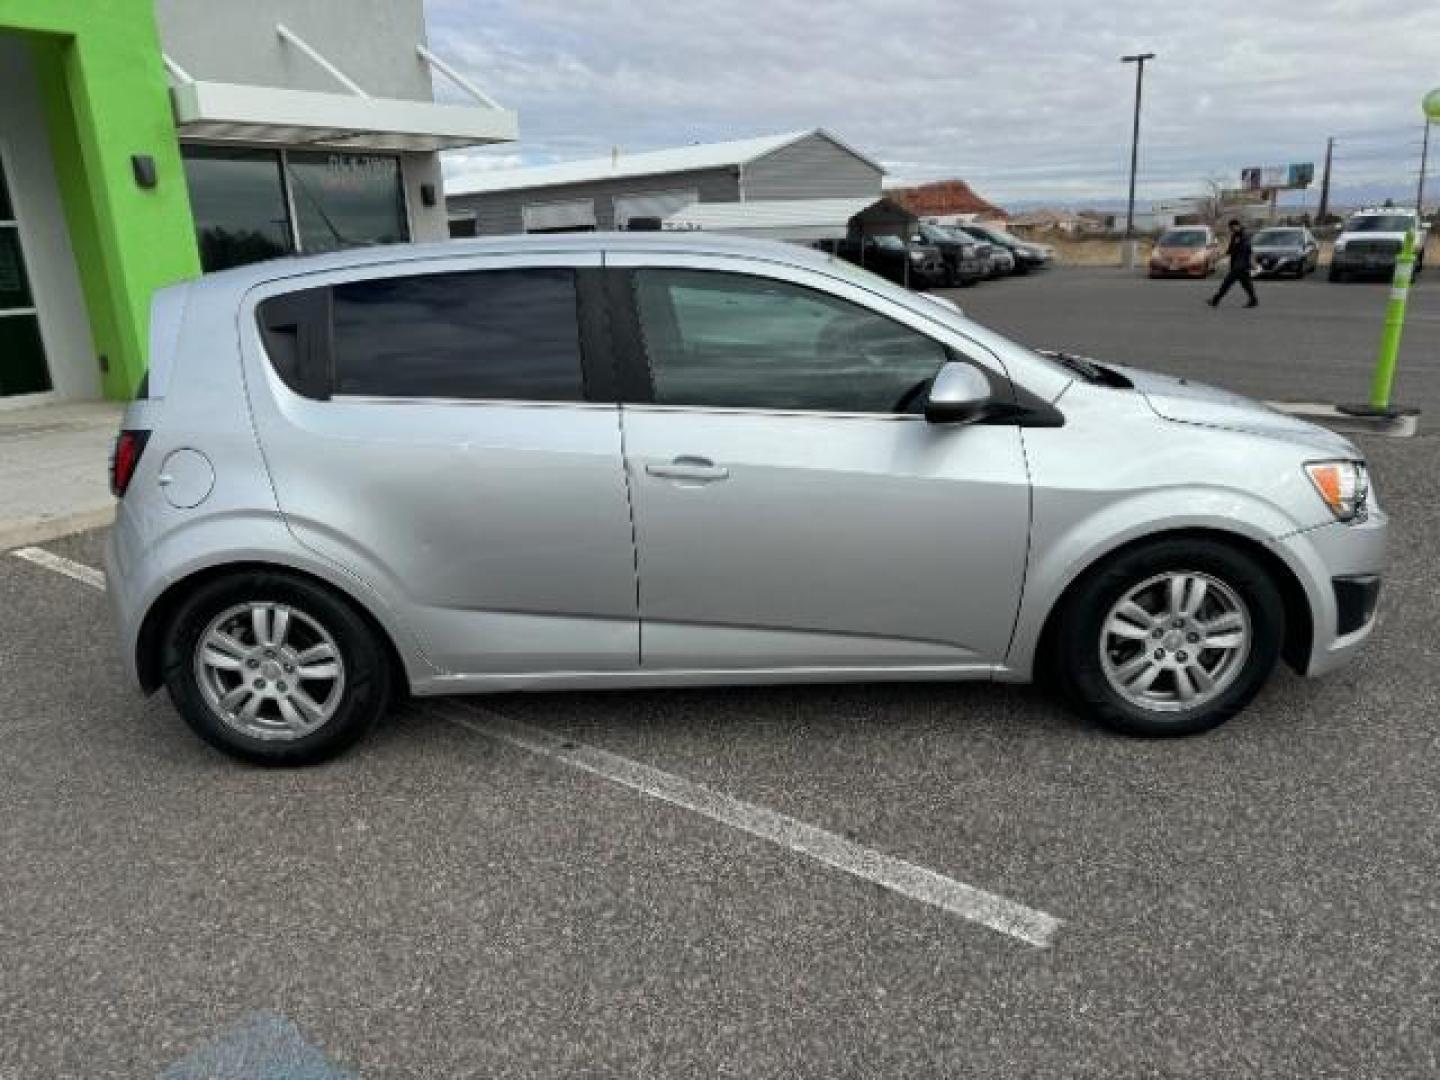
point(1336, 275)
point(363, 697)
point(1075, 661)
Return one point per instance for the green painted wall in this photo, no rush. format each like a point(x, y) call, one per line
point(103, 81)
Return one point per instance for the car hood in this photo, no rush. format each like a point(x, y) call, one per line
point(1277, 249)
point(1178, 252)
point(1188, 402)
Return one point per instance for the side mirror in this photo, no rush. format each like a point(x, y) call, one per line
point(958, 394)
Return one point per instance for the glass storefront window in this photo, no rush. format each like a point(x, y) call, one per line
point(22, 355)
point(14, 287)
point(23, 369)
point(238, 199)
point(243, 198)
point(346, 200)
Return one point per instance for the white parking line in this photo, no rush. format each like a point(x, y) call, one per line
point(1003, 915)
point(905, 878)
point(61, 565)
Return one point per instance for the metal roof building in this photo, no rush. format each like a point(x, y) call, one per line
point(796, 220)
point(611, 192)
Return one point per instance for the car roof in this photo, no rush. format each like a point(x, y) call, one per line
point(688, 242)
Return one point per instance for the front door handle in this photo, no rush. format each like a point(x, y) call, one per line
point(693, 469)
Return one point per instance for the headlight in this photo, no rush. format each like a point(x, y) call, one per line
point(917, 256)
point(1340, 245)
point(1344, 485)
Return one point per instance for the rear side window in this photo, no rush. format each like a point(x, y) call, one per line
point(502, 334)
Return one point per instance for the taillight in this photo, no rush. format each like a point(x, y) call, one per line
point(129, 445)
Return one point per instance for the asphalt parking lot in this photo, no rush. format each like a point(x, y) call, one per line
point(1309, 340)
point(1260, 901)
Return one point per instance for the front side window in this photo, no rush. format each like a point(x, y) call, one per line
point(484, 334)
point(723, 340)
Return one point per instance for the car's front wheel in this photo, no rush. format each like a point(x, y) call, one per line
point(275, 669)
point(1171, 638)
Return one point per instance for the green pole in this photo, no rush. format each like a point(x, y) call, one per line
point(1384, 378)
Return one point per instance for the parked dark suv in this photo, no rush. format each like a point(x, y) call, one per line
point(919, 266)
point(963, 265)
point(1027, 256)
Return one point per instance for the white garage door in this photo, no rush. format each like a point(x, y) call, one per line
point(653, 204)
point(573, 214)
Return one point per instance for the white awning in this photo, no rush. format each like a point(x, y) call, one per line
point(231, 112)
point(777, 219)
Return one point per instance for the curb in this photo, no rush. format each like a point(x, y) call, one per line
point(21, 532)
point(1395, 427)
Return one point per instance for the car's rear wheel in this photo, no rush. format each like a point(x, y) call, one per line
point(1172, 638)
point(275, 669)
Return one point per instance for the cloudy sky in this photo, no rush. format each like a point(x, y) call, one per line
point(1026, 99)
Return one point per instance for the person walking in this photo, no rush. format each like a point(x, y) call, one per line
point(1239, 272)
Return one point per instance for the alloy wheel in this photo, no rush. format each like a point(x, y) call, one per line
point(269, 670)
point(1175, 642)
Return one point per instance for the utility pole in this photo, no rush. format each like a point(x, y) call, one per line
point(1138, 59)
point(1420, 190)
point(1325, 183)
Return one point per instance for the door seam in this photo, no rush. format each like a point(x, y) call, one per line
point(634, 537)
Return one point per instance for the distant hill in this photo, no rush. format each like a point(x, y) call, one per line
point(944, 197)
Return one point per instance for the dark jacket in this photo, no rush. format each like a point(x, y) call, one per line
point(1239, 250)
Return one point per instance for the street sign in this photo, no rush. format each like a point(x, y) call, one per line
point(1275, 177)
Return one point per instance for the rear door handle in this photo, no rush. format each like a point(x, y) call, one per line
point(698, 469)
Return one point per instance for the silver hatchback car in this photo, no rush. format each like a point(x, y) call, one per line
point(642, 460)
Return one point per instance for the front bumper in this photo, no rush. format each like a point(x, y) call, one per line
point(1268, 265)
point(1167, 269)
point(926, 275)
point(1372, 263)
point(1340, 567)
point(972, 268)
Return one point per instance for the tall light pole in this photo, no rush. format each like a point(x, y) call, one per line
point(1424, 154)
point(1138, 59)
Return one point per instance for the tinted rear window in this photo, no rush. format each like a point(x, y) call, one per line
point(505, 334)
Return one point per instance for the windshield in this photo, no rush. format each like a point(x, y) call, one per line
point(992, 235)
point(1183, 238)
point(1277, 237)
point(1380, 223)
point(934, 234)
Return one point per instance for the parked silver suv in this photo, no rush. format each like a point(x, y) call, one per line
point(640, 460)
